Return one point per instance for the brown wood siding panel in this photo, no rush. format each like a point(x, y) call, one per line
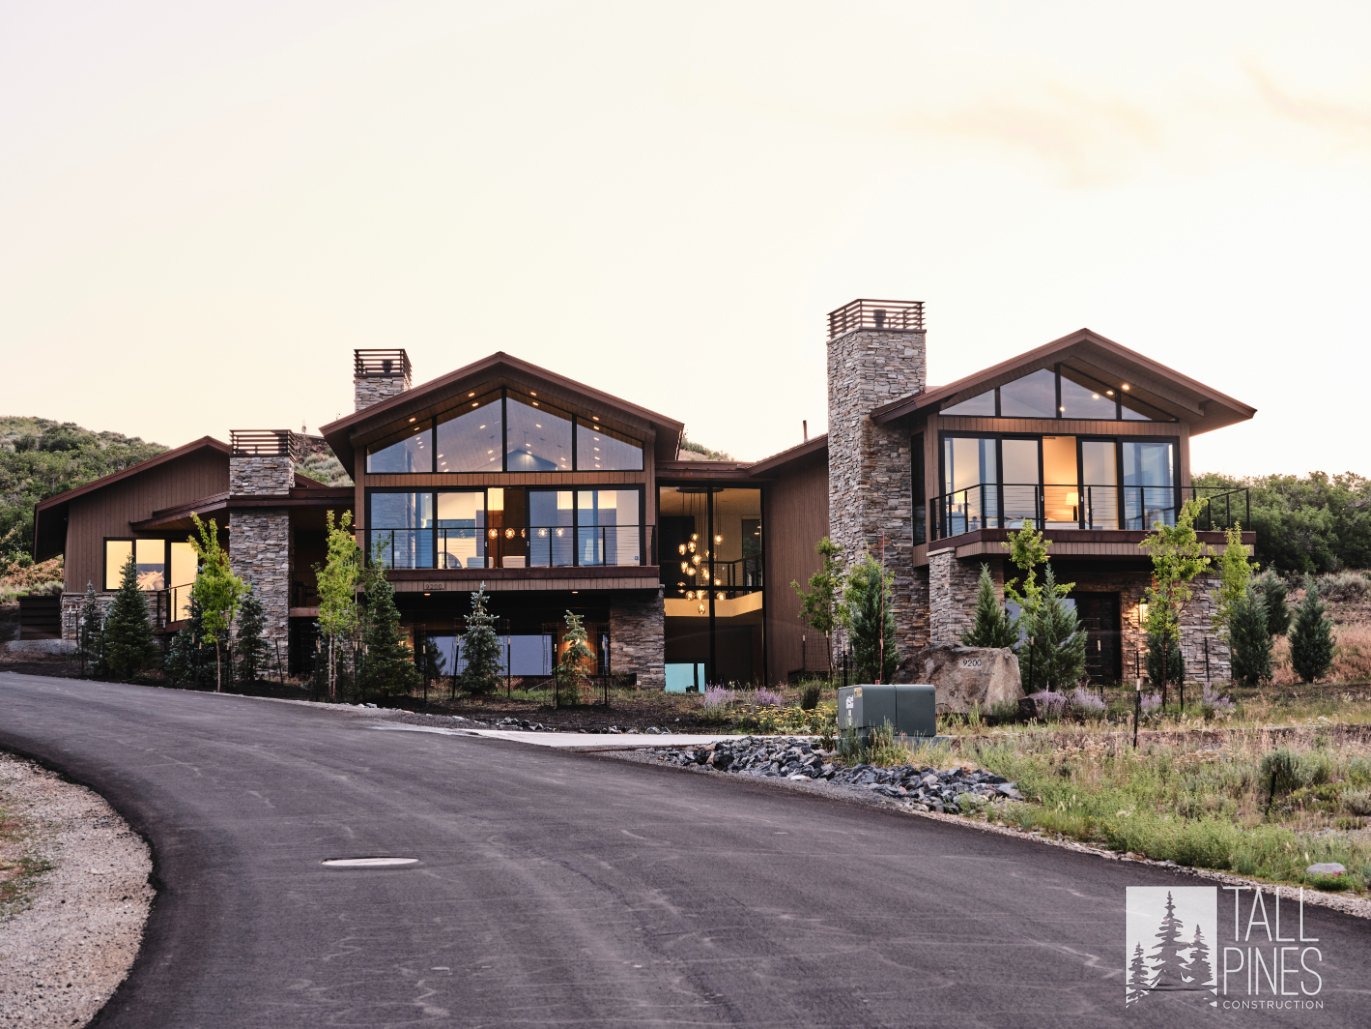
point(110, 511)
point(795, 519)
point(1054, 427)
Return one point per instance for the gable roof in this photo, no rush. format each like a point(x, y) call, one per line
point(487, 372)
point(50, 515)
point(1192, 402)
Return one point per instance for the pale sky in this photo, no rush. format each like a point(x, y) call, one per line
point(206, 207)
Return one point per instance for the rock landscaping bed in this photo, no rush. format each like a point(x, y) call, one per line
point(921, 788)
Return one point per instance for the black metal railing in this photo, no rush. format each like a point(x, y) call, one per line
point(891, 315)
point(994, 505)
point(736, 577)
point(535, 546)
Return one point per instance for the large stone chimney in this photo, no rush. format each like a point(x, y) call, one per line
point(379, 375)
point(876, 354)
point(262, 470)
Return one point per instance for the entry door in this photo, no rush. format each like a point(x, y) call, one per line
point(1099, 615)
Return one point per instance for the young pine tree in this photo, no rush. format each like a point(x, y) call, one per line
point(1164, 660)
point(388, 667)
point(1250, 640)
point(576, 655)
point(869, 616)
point(1054, 640)
point(1235, 572)
point(217, 590)
point(1273, 591)
point(480, 647)
point(127, 647)
point(90, 625)
point(1139, 977)
point(993, 627)
point(1311, 637)
point(819, 604)
point(249, 647)
point(338, 578)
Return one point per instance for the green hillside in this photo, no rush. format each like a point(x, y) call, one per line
point(40, 457)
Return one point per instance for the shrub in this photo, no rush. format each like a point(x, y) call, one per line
point(1214, 703)
point(1086, 704)
point(767, 698)
point(810, 693)
point(1151, 702)
point(877, 748)
point(1049, 705)
point(1280, 774)
point(717, 697)
point(1342, 586)
point(1311, 638)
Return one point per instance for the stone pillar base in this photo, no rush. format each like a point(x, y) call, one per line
point(637, 639)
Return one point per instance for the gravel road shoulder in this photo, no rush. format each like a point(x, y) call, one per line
point(72, 942)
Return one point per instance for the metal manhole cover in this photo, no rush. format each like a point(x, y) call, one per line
point(369, 862)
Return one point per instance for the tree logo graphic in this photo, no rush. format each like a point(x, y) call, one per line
point(1170, 930)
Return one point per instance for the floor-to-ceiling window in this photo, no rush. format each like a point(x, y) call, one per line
point(1058, 482)
point(712, 574)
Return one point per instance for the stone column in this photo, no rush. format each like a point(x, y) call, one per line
point(637, 639)
point(952, 586)
point(870, 500)
point(260, 537)
point(1197, 625)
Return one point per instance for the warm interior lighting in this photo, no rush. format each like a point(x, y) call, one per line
point(1126, 387)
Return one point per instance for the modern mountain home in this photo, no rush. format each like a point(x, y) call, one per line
point(558, 496)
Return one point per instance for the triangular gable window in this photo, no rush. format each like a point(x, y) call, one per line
point(980, 404)
point(1060, 392)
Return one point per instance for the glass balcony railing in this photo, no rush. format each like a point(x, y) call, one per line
point(994, 505)
point(535, 546)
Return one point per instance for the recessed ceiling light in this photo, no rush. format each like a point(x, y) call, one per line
point(1126, 387)
point(471, 394)
point(535, 403)
point(532, 394)
point(411, 419)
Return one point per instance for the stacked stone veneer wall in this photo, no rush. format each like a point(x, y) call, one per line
point(259, 553)
point(1196, 627)
point(870, 501)
point(374, 389)
point(259, 539)
point(261, 475)
point(952, 586)
point(637, 639)
point(73, 602)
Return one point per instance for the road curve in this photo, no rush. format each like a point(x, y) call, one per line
point(557, 889)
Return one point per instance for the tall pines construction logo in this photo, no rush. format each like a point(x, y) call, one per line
point(1250, 952)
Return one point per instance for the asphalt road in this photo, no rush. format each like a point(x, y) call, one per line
point(557, 889)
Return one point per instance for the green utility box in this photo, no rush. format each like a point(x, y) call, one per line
point(911, 710)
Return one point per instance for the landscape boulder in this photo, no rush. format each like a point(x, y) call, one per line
point(965, 676)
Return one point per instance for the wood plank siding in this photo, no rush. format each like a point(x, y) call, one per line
point(795, 516)
point(111, 510)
